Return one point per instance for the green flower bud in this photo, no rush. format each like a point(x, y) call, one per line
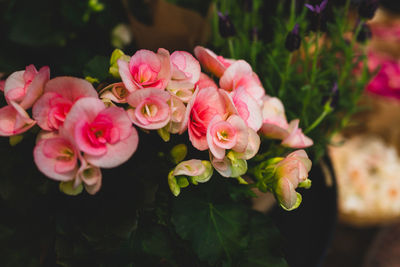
point(178, 153)
point(115, 56)
point(68, 188)
point(173, 184)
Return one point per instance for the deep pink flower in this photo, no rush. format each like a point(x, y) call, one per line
point(105, 135)
point(387, 80)
point(150, 109)
point(146, 69)
point(59, 95)
point(204, 105)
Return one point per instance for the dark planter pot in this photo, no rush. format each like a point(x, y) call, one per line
point(308, 231)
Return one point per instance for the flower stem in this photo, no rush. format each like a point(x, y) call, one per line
point(231, 47)
point(321, 117)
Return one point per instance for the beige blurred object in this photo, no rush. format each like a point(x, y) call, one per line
point(389, 41)
point(264, 202)
point(367, 165)
point(173, 27)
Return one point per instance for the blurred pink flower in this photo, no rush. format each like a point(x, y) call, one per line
point(387, 80)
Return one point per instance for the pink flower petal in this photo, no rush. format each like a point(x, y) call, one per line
point(35, 89)
point(248, 108)
point(296, 138)
point(60, 165)
point(193, 167)
point(117, 153)
point(215, 149)
point(205, 81)
point(242, 133)
point(209, 61)
point(14, 121)
point(184, 63)
point(126, 76)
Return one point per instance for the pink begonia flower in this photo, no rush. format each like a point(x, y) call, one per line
point(248, 108)
point(57, 158)
point(295, 137)
point(200, 170)
point(211, 62)
point(290, 172)
point(204, 105)
point(105, 135)
point(185, 74)
point(230, 165)
point(115, 92)
point(205, 81)
point(240, 74)
point(59, 95)
point(25, 87)
point(253, 145)
point(90, 176)
point(146, 69)
point(275, 124)
point(387, 80)
point(178, 110)
point(14, 120)
point(150, 109)
point(230, 134)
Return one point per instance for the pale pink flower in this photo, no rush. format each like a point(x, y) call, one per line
point(115, 92)
point(57, 158)
point(290, 172)
point(230, 134)
point(105, 135)
point(247, 108)
point(90, 176)
point(25, 87)
point(205, 81)
point(59, 95)
point(185, 74)
point(14, 120)
point(204, 105)
point(150, 109)
point(295, 137)
point(275, 124)
point(200, 170)
point(211, 62)
point(178, 110)
point(240, 74)
point(146, 69)
point(230, 165)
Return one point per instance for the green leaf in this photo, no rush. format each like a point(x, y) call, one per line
point(215, 231)
point(97, 68)
point(264, 247)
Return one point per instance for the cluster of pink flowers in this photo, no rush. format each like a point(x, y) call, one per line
point(83, 131)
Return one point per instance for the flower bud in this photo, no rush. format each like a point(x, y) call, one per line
point(226, 27)
point(290, 173)
point(178, 153)
point(367, 8)
point(116, 54)
point(293, 39)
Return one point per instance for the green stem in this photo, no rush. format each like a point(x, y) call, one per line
point(231, 47)
point(282, 88)
point(318, 120)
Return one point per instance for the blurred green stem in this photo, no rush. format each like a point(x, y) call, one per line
point(231, 47)
point(285, 76)
point(327, 110)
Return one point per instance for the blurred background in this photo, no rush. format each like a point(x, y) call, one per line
point(77, 37)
